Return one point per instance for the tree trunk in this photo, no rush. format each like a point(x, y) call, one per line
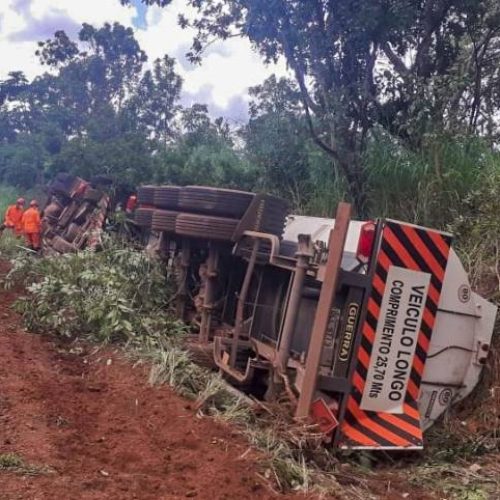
point(357, 185)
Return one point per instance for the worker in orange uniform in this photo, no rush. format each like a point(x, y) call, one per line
point(32, 226)
point(13, 217)
point(131, 204)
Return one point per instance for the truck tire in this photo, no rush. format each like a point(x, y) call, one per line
point(62, 246)
point(274, 216)
point(205, 226)
point(144, 217)
point(166, 196)
point(215, 201)
point(63, 184)
point(164, 220)
point(146, 195)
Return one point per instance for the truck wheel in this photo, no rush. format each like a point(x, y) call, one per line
point(144, 217)
point(205, 226)
point(274, 216)
point(164, 220)
point(208, 200)
point(63, 184)
point(146, 195)
point(166, 196)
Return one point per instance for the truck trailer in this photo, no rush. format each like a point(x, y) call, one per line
point(369, 328)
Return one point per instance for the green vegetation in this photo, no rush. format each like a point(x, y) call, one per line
point(396, 135)
point(8, 195)
point(417, 69)
point(8, 241)
point(114, 295)
point(122, 296)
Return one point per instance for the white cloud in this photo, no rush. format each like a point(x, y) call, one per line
point(228, 68)
point(89, 11)
point(24, 22)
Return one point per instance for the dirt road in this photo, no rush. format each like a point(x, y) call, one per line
point(91, 419)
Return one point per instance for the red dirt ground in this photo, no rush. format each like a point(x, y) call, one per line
point(104, 432)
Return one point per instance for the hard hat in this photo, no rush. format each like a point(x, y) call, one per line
point(20, 201)
point(33, 203)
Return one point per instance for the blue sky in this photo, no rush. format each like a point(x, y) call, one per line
point(139, 21)
point(222, 80)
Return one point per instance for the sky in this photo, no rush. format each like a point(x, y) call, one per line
point(222, 80)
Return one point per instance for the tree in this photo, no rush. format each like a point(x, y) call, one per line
point(97, 110)
point(156, 100)
point(399, 64)
point(204, 153)
point(127, 159)
point(277, 141)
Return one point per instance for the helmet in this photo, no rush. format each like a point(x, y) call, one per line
point(20, 201)
point(33, 203)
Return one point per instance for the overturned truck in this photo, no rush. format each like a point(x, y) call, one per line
point(75, 213)
point(371, 328)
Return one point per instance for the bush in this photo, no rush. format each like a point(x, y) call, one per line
point(476, 225)
point(117, 295)
point(426, 187)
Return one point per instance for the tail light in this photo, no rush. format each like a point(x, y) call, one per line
point(365, 243)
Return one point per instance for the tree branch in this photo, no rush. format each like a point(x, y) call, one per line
point(395, 60)
point(434, 12)
point(315, 137)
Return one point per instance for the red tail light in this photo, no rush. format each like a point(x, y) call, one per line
point(365, 243)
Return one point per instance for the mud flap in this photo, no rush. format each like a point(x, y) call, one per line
point(381, 412)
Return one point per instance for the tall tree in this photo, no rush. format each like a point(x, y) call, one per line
point(398, 64)
point(156, 99)
point(277, 141)
point(98, 108)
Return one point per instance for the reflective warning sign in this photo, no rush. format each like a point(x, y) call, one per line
point(396, 337)
point(422, 252)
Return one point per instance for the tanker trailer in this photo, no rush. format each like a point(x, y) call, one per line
point(371, 327)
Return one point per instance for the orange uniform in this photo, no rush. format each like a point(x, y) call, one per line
point(32, 226)
point(13, 218)
point(131, 203)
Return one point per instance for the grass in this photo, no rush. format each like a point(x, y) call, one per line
point(11, 462)
point(9, 245)
point(461, 481)
point(293, 457)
